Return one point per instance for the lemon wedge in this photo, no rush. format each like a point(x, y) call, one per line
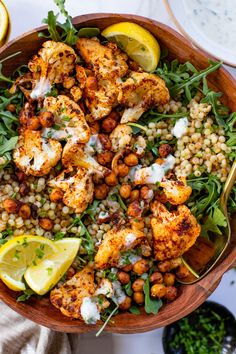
point(46, 274)
point(137, 42)
point(18, 254)
point(4, 21)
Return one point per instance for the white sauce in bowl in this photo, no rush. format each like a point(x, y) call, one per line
point(216, 18)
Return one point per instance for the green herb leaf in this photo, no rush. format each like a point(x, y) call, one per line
point(59, 236)
point(26, 295)
point(88, 32)
point(215, 220)
point(134, 310)
point(151, 305)
point(128, 288)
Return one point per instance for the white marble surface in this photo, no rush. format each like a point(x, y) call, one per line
point(27, 14)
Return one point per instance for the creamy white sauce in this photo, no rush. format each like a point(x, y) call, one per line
point(129, 240)
point(154, 173)
point(41, 88)
point(180, 127)
point(105, 288)
point(215, 18)
point(89, 311)
point(119, 295)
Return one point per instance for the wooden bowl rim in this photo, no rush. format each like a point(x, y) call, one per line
point(149, 322)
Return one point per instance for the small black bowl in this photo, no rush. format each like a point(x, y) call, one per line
point(229, 343)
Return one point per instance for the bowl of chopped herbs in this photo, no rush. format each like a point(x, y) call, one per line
point(211, 329)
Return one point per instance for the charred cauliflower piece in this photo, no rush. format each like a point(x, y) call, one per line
point(121, 137)
point(175, 192)
point(107, 62)
point(114, 243)
point(70, 124)
point(77, 189)
point(109, 66)
point(55, 61)
point(75, 155)
point(140, 92)
point(173, 232)
point(68, 298)
point(35, 155)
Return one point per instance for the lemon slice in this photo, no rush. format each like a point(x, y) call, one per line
point(18, 254)
point(46, 274)
point(137, 42)
point(4, 21)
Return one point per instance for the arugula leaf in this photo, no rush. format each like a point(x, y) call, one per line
point(110, 312)
point(59, 235)
point(8, 145)
point(65, 32)
point(92, 209)
point(128, 289)
point(151, 305)
point(134, 310)
point(215, 219)
point(26, 295)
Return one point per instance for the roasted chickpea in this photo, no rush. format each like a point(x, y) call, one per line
point(70, 272)
point(122, 170)
point(134, 195)
point(125, 191)
point(111, 179)
point(56, 195)
point(123, 277)
point(146, 249)
point(105, 158)
point(175, 262)
point(156, 278)
point(171, 293)
point(164, 266)
point(101, 191)
point(20, 176)
point(133, 65)
point(68, 82)
point(76, 93)
point(169, 279)
point(138, 297)
point(25, 211)
point(138, 284)
point(125, 305)
point(94, 128)
point(110, 122)
point(23, 189)
point(11, 107)
point(182, 272)
point(105, 141)
point(91, 83)
point(46, 119)
point(141, 266)
point(165, 150)
point(146, 193)
point(46, 224)
point(127, 268)
point(137, 224)
point(158, 290)
point(98, 179)
point(10, 205)
point(131, 160)
point(134, 209)
point(33, 123)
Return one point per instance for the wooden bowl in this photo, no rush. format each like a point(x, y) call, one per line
point(191, 296)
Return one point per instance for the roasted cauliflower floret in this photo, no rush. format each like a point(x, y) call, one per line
point(140, 92)
point(121, 137)
point(75, 155)
point(114, 243)
point(68, 298)
point(55, 61)
point(70, 124)
point(78, 189)
point(108, 62)
point(173, 232)
point(35, 155)
point(109, 66)
point(175, 192)
point(101, 98)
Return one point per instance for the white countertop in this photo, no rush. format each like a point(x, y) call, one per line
point(27, 14)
